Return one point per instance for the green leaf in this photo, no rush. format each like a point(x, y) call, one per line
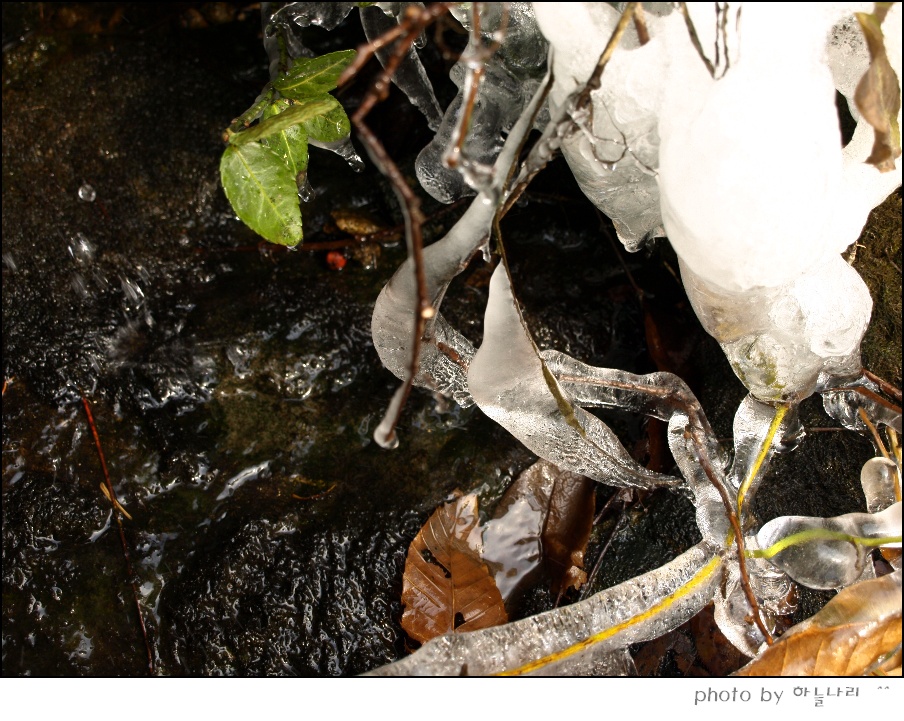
point(329, 127)
point(286, 119)
point(313, 76)
point(262, 191)
point(290, 144)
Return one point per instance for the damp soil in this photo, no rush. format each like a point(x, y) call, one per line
point(234, 387)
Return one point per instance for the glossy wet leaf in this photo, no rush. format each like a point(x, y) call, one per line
point(290, 144)
point(446, 586)
point(569, 522)
point(294, 115)
point(328, 127)
point(313, 76)
point(542, 522)
point(262, 191)
point(848, 637)
point(878, 95)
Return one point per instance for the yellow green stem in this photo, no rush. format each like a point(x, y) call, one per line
point(761, 456)
point(696, 580)
point(818, 534)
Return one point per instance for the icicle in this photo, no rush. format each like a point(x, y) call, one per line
point(511, 75)
point(878, 478)
point(643, 608)
point(410, 76)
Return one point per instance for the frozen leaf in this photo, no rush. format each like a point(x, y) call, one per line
point(846, 638)
point(878, 94)
point(313, 76)
point(513, 386)
point(572, 639)
point(447, 587)
point(568, 526)
point(828, 553)
point(262, 191)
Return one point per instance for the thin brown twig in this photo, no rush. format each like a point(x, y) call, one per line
point(593, 83)
point(6, 382)
point(695, 39)
point(876, 437)
point(599, 560)
point(412, 27)
point(316, 496)
point(452, 157)
point(117, 513)
point(739, 541)
point(884, 385)
point(640, 24)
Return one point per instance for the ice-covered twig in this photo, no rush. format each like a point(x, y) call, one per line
point(408, 199)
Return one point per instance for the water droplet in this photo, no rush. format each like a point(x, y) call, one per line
point(87, 193)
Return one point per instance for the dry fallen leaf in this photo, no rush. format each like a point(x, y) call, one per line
point(447, 587)
point(878, 95)
point(850, 636)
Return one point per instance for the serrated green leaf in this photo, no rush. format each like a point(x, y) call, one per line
point(262, 191)
point(313, 76)
point(294, 115)
point(329, 127)
point(290, 144)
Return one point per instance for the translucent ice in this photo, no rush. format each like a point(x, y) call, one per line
point(615, 153)
point(445, 353)
point(637, 610)
point(878, 478)
point(825, 562)
point(779, 340)
point(510, 383)
point(511, 75)
point(410, 76)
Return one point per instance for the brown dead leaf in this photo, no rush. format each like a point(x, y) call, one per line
point(542, 522)
point(568, 526)
point(447, 587)
point(878, 95)
point(848, 637)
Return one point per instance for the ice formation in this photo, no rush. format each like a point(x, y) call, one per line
point(720, 131)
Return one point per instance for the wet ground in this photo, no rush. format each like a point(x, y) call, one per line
point(235, 389)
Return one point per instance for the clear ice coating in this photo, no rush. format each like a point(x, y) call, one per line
point(511, 76)
point(756, 210)
point(640, 609)
point(445, 354)
point(409, 76)
point(510, 383)
point(781, 340)
point(828, 563)
point(878, 478)
point(615, 150)
point(753, 448)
